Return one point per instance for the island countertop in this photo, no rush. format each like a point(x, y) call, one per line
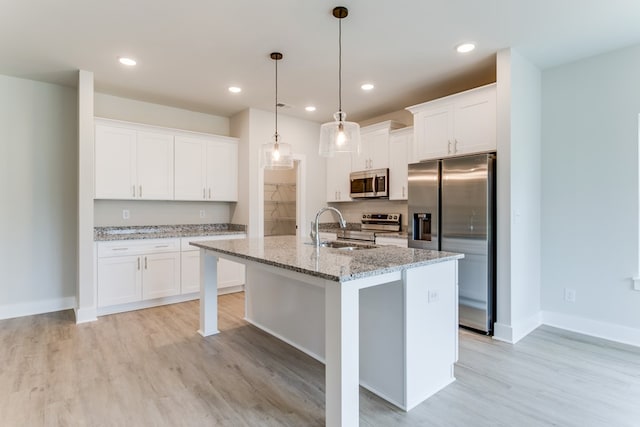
point(292, 253)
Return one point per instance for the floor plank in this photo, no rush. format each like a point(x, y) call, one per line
point(151, 368)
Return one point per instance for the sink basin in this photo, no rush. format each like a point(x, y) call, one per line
point(345, 246)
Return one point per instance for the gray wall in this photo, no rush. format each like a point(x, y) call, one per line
point(590, 187)
point(38, 181)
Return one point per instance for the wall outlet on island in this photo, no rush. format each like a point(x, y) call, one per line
point(569, 295)
point(125, 213)
point(433, 295)
point(202, 213)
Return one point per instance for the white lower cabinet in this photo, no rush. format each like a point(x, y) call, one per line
point(231, 274)
point(148, 272)
point(136, 270)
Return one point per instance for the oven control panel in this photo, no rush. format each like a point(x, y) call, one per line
point(382, 218)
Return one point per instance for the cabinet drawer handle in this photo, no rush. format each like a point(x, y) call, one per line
point(162, 246)
point(120, 249)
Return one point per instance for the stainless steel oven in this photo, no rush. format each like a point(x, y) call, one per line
point(373, 225)
point(370, 183)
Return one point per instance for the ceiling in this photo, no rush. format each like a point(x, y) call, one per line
point(190, 51)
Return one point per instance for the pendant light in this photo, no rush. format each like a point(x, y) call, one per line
point(276, 154)
point(339, 136)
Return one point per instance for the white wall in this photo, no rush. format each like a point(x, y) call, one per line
point(590, 194)
point(118, 108)
point(256, 127)
point(518, 196)
point(38, 185)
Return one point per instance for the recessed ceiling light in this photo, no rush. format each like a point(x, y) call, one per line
point(367, 86)
point(310, 108)
point(465, 47)
point(235, 89)
point(127, 61)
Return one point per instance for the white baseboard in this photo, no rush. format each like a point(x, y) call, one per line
point(138, 305)
point(85, 315)
point(36, 307)
point(595, 328)
point(514, 333)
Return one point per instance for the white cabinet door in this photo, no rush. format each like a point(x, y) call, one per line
point(475, 122)
point(154, 166)
point(229, 273)
point(338, 184)
point(190, 174)
point(115, 163)
point(190, 272)
point(374, 153)
point(399, 143)
point(119, 280)
point(434, 129)
point(161, 275)
point(222, 171)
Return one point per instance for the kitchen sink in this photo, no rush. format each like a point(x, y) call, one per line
point(346, 246)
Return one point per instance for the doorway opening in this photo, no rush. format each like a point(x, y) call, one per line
point(280, 197)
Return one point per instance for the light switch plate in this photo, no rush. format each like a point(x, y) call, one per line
point(125, 213)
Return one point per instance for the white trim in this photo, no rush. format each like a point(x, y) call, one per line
point(37, 307)
point(85, 315)
point(514, 333)
point(594, 328)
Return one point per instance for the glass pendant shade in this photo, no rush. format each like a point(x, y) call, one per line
point(276, 155)
point(339, 136)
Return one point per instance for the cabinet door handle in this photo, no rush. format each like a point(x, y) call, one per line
point(141, 191)
point(145, 263)
point(455, 145)
point(209, 192)
point(204, 193)
point(138, 263)
point(403, 191)
point(449, 147)
point(133, 190)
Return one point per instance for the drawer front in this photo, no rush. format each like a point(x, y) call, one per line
point(187, 247)
point(137, 247)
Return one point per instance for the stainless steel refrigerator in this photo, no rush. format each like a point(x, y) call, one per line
point(452, 207)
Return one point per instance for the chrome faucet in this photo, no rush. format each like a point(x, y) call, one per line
point(314, 231)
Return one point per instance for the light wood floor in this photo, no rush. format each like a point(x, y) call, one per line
point(151, 368)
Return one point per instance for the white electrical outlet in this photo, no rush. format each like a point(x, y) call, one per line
point(202, 213)
point(125, 213)
point(569, 295)
point(433, 295)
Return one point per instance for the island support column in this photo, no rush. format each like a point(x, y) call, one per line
point(208, 293)
point(342, 374)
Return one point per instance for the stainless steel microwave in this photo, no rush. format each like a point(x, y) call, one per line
point(370, 183)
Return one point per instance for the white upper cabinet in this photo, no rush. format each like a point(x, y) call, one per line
point(141, 162)
point(115, 163)
point(463, 123)
point(222, 170)
point(338, 184)
point(154, 166)
point(400, 142)
point(190, 168)
point(206, 168)
point(130, 164)
point(374, 147)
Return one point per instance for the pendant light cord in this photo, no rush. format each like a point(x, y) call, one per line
point(340, 65)
point(276, 104)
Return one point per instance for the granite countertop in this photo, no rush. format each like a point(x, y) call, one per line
point(338, 265)
point(165, 231)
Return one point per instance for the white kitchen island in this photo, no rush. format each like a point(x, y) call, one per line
point(384, 318)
